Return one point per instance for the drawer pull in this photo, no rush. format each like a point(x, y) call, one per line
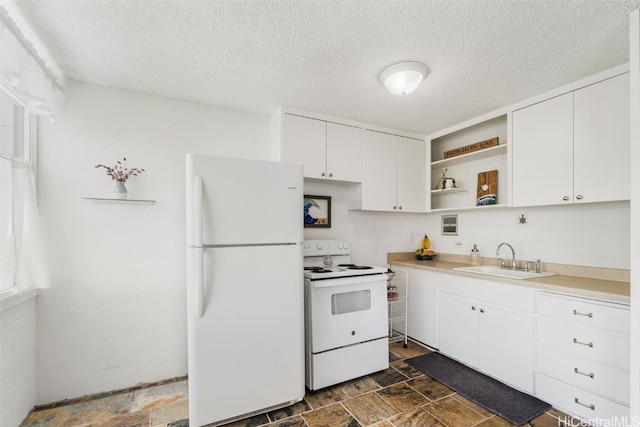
point(590, 375)
point(588, 344)
point(592, 406)
point(577, 313)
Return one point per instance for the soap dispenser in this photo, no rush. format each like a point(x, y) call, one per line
point(475, 255)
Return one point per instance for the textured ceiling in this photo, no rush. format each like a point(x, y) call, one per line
point(325, 56)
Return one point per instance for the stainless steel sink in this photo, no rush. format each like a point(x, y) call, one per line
point(492, 270)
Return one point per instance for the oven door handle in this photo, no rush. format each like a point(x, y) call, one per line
point(346, 281)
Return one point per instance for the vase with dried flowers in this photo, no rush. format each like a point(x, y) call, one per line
point(120, 174)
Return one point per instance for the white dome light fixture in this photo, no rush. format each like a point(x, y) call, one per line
point(404, 77)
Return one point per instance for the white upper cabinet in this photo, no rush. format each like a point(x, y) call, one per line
point(543, 153)
point(305, 142)
point(327, 150)
point(394, 174)
point(410, 175)
point(574, 148)
point(379, 186)
point(344, 152)
point(601, 163)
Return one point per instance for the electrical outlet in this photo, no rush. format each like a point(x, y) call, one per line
point(459, 244)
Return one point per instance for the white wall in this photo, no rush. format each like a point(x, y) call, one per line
point(17, 358)
point(590, 234)
point(115, 315)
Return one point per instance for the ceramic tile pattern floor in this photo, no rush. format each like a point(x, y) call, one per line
point(398, 397)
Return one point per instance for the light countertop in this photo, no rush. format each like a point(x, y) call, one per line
point(596, 283)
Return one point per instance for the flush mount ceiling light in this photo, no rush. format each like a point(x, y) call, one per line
point(404, 77)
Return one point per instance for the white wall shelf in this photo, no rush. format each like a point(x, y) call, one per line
point(471, 208)
point(448, 191)
point(125, 201)
point(476, 155)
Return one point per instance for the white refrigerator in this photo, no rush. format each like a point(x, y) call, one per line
point(245, 292)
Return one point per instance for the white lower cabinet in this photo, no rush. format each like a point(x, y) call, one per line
point(580, 403)
point(582, 357)
point(422, 312)
point(488, 326)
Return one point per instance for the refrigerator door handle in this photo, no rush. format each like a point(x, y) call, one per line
point(199, 282)
point(199, 263)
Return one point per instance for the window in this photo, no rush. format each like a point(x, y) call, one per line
point(15, 147)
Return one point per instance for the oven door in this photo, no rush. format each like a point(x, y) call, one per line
point(346, 311)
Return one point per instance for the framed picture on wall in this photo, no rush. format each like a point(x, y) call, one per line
point(317, 211)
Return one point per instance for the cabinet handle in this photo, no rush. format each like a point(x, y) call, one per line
point(588, 344)
point(395, 207)
point(590, 375)
point(565, 198)
point(473, 307)
point(330, 175)
point(592, 406)
point(400, 207)
point(579, 197)
point(322, 174)
point(577, 313)
point(482, 310)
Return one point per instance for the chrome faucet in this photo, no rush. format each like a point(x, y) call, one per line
point(513, 255)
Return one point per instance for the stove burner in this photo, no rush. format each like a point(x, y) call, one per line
point(321, 270)
point(313, 268)
point(354, 267)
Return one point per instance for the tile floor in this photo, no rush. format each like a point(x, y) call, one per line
point(398, 397)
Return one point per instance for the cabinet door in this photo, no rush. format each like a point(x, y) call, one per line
point(344, 152)
point(506, 347)
point(422, 316)
point(458, 328)
point(305, 142)
point(411, 180)
point(379, 180)
point(602, 141)
point(543, 153)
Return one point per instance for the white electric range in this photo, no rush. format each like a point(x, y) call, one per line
point(345, 315)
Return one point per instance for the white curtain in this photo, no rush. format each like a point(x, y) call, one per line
point(29, 76)
point(32, 269)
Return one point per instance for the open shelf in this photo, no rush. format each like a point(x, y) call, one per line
point(113, 200)
point(470, 208)
point(448, 191)
point(466, 168)
point(476, 155)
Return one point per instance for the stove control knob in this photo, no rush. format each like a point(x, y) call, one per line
point(318, 246)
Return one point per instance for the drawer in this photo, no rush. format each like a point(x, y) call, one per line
point(581, 403)
point(614, 317)
point(601, 379)
point(591, 343)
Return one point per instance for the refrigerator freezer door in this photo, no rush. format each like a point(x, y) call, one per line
point(245, 201)
point(246, 353)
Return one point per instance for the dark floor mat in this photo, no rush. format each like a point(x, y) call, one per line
point(513, 405)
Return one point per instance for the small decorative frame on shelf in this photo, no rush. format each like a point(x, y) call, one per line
point(317, 211)
point(476, 146)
